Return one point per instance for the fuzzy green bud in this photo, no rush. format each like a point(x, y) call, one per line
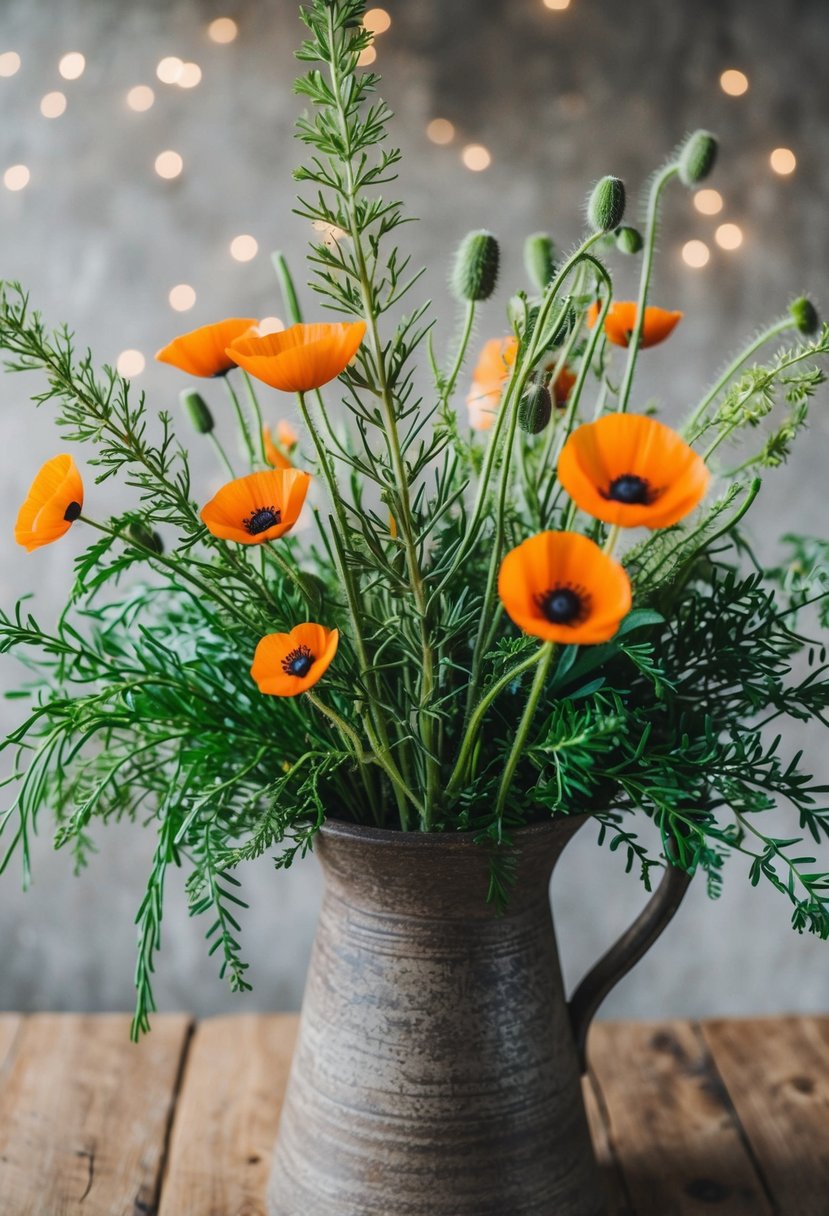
point(535, 409)
point(143, 537)
point(475, 272)
point(606, 205)
point(805, 316)
point(628, 240)
point(540, 259)
point(697, 157)
point(196, 409)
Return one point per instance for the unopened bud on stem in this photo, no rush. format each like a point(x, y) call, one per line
point(195, 406)
point(697, 157)
point(540, 259)
point(535, 409)
point(628, 240)
point(606, 205)
point(475, 272)
point(805, 316)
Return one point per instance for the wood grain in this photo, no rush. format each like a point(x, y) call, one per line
point(84, 1114)
point(10, 1024)
point(671, 1124)
point(777, 1073)
point(227, 1115)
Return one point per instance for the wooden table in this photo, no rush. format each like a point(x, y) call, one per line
point(729, 1118)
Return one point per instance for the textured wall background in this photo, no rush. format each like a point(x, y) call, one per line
point(559, 98)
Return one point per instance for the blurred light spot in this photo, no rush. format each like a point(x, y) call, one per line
point(734, 82)
point(130, 363)
point(366, 57)
point(182, 297)
point(72, 65)
point(140, 98)
point(729, 236)
point(189, 76)
point(16, 177)
point(476, 157)
point(222, 30)
point(9, 63)
point(708, 202)
point(441, 131)
point(270, 325)
point(783, 161)
point(168, 164)
point(696, 254)
point(329, 233)
point(244, 247)
point(377, 20)
point(52, 105)
point(557, 5)
point(169, 69)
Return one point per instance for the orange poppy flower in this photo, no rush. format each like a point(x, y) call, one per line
point(286, 434)
point(202, 352)
point(274, 455)
point(301, 358)
point(257, 508)
point(620, 322)
point(54, 502)
point(289, 663)
point(559, 586)
point(631, 470)
point(488, 379)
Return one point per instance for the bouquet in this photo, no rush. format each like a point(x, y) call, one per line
point(425, 598)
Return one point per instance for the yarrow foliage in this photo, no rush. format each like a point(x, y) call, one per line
point(407, 612)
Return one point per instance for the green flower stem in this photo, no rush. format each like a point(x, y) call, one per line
point(182, 570)
point(240, 419)
point(452, 378)
point(405, 522)
point(222, 454)
point(471, 734)
point(611, 539)
point(271, 554)
point(657, 187)
point(360, 756)
point(286, 286)
point(546, 656)
point(689, 431)
point(257, 417)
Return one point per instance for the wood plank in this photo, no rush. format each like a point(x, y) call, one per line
point(84, 1115)
point(777, 1074)
point(617, 1199)
point(10, 1024)
point(226, 1117)
point(671, 1124)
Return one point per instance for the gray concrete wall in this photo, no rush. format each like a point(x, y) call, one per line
point(559, 98)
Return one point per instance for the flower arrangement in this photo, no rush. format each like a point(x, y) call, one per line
point(405, 612)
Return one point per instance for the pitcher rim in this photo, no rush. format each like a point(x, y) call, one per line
point(343, 829)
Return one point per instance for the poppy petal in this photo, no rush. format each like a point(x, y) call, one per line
point(53, 503)
point(202, 352)
point(241, 509)
point(309, 646)
point(301, 358)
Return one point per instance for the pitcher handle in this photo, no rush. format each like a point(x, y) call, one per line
point(625, 954)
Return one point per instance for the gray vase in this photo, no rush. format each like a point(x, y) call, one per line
point(438, 1063)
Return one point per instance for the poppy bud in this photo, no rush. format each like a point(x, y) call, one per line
point(475, 272)
point(540, 259)
point(535, 409)
point(606, 205)
point(628, 240)
point(697, 157)
point(143, 537)
point(195, 406)
point(804, 315)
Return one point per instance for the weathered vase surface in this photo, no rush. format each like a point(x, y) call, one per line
point(435, 1072)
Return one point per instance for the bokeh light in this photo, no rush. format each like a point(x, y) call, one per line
point(182, 297)
point(557, 6)
point(16, 177)
point(169, 69)
point(244, 247)
point(783, 161)
point(441, 131)
point(729, 236)
point(130, 363)
point(168, 164)
point(476, 157)
point(52, 105)
point(271, 325)
point(367, 56)
point(222, 30)
point(9, 63)
point(72, 65)
point(734, 82)
point(377, 20)
point(140, 98)
point(189, 76)
point(708, 202)
point(695, 254)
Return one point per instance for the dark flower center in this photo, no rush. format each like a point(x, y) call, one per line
point(299, 662)
point(72, 512)
point(564, 605)
point(262, 519)
point(630, 490)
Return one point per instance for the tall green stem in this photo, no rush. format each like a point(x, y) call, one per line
point(659, 183)
point(257, 418)
point(517, 749)
point(241, 421)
